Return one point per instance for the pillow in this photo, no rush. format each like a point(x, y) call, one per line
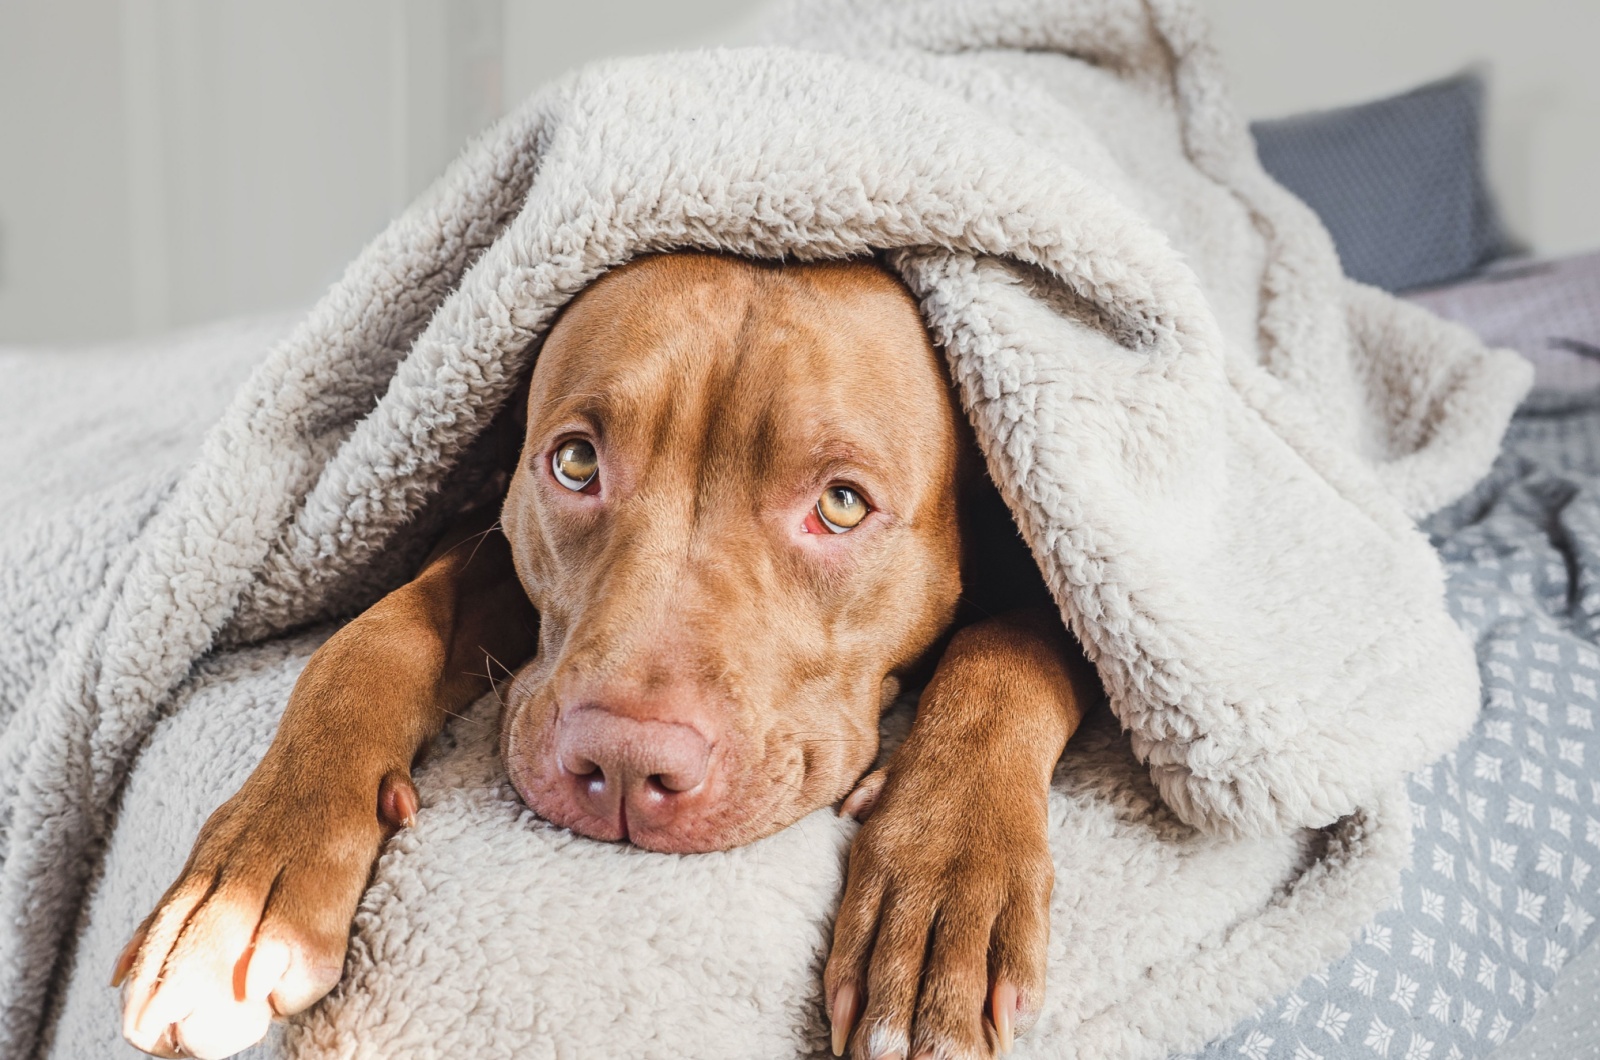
point(1398, 182)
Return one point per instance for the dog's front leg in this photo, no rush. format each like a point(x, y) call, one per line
point(257, 922)
point(939, 948)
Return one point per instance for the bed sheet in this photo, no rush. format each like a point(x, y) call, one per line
point(1548, 311)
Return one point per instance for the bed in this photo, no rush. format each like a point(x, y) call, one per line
point(1501, 896)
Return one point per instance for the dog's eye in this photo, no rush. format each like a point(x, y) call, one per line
point(575, 464)
point(841, 508)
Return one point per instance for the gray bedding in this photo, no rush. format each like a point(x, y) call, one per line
point(1502, 891)
point(1548, 311)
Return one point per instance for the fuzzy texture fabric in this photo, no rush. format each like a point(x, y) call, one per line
point(1213, 442)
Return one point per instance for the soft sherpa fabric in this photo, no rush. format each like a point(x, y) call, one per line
point(1213, 442)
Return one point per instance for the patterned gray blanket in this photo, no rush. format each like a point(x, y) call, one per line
point(1502, 889)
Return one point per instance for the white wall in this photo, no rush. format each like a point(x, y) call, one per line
point(165, 162)
point(262, 145)
point(543, 38)
point(63, 187)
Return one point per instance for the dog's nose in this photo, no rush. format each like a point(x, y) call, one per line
point(641, 774)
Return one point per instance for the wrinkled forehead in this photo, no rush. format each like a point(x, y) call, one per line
point(799, 356)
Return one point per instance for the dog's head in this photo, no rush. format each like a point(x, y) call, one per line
point(735, 511)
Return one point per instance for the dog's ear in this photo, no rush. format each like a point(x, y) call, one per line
point(510, 427)
point(517, 405)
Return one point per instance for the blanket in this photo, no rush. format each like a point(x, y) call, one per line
point(1502, 894)
point(1213, 443)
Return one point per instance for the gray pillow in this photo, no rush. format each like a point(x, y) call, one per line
point(1399, 182)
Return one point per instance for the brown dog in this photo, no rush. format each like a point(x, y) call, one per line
point(746, 513)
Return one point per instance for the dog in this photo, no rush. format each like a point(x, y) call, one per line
point(746, 512)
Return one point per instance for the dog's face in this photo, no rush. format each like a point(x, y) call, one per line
point(735, 512)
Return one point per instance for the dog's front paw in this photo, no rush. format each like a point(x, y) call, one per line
point(940, 944)
point(257, 922)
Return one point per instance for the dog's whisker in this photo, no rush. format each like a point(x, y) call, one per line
point(476, 536)
point(494, 686)
point(481, 538)
point(970, 602)
point(490, 657)
point(463, 717)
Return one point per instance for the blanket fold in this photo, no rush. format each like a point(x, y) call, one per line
point(1213, 442)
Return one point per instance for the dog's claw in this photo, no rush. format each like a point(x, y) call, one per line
point(126, 958)
point(853, 804)
point(397, 801)
point(1005, 1010)
point(861, 802)
point(269, 960)
point(843, 1017)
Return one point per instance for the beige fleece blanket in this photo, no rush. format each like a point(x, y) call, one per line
point(1213, 443)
